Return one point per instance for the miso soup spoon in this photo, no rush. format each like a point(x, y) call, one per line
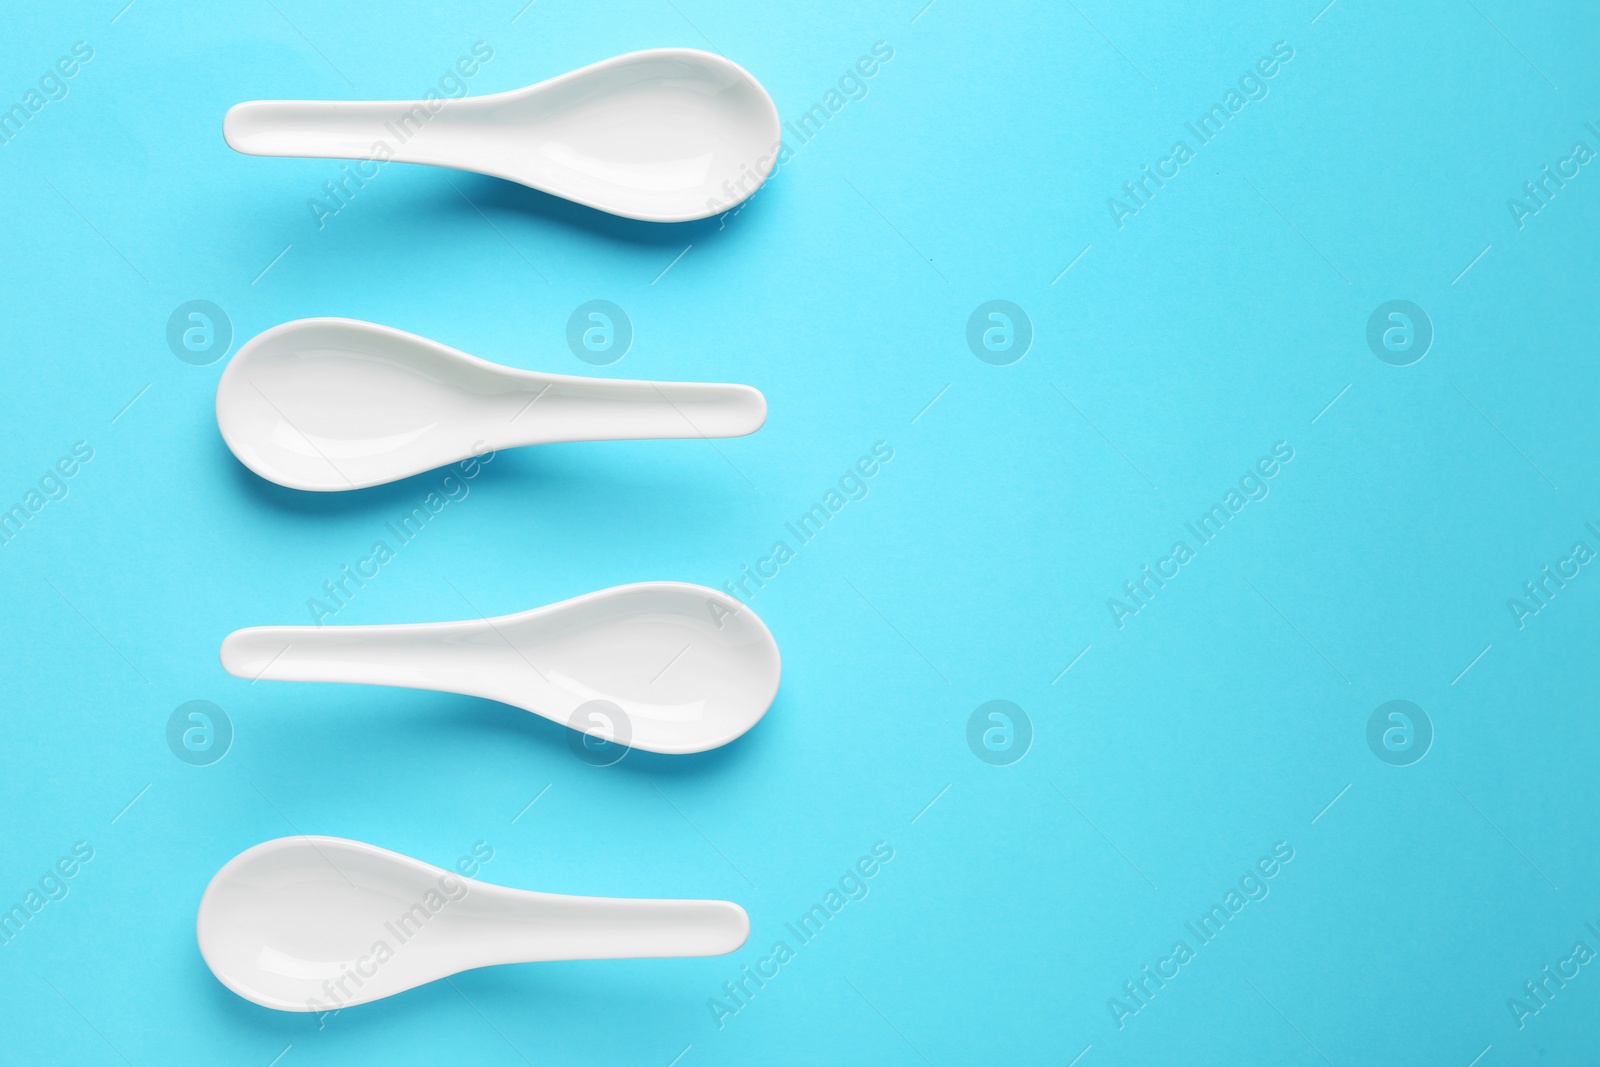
point(663, 135)
point(662, 666)
point(322, 923)
point(330, 404)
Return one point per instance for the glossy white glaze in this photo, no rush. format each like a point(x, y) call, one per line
point(318, 923)
point(331, 404)
point(663, 135)
point(691, 668)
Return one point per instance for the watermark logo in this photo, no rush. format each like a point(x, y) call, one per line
point(199, 733)
point(54, 885)
point(853, 484)
point(53, 85)
point(851, 886)
point(999, 733)
point(795, 133)
point(999, 333)
point(1253, 486)
point(1538, 591)
point(1537, 193)
point(1399, 733)
point(403, 928)
point(339, 591)
point(199, 332)
point(599, 332)
point(1551, 979)
point(408, 120)
point(1252, 86)
point(1252, 887)
point(1399, 333)
point(51, 486)
point(600, 733)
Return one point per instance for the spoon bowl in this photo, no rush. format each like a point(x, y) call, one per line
point(662, 666)
point(663, 135)
point(323, 923)
point(331, 404)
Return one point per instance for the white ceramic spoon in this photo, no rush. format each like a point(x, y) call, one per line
point(330, 404)
point(664, 135)
point(321, 923)
point(689, 668)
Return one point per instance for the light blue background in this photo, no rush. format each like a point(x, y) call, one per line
point(1223, 718)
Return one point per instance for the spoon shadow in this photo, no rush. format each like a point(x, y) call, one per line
point(351, 502)
point(465, 194)
point(466, 199)
point(420, 720)
point(527, 730)
point(538, 473)
point(246, 1016)
point(375, 1016)
point(552, 992)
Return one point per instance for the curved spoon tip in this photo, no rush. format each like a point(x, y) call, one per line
point(736, 928)
point(243, 654)
point(261, 127)
point(235, 127)
point(752, 410)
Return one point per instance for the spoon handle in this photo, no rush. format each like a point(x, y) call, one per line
point(446, 657)
point(536, 927)
point(337, 129)
point(561, 408)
